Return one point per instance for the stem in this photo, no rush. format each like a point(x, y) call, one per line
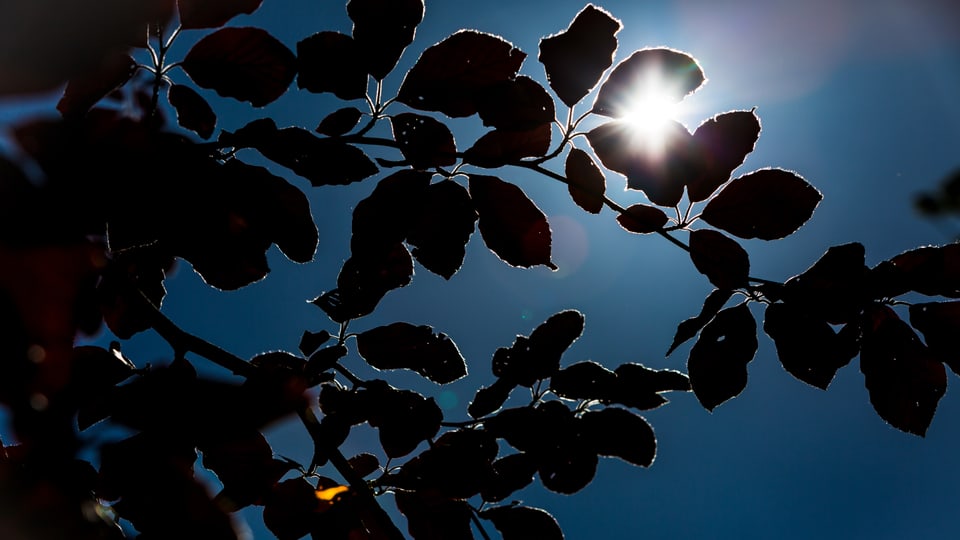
point(476, 521)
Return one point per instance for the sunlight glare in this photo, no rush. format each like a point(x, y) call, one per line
point(650, 116)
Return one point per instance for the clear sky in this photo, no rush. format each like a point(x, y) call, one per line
point(859, 97)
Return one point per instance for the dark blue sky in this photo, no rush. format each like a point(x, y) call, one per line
point(859, 98)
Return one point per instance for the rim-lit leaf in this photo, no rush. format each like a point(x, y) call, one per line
point(834, 288)
point(584, 380)
point(311, 341)
point(690, 327)
point(193, 112)
point(213, 13)
point(404, 346)
point(431, 517)
point(424, 141)
point(499, 147)
point(929, 270)
point(339, 122)
point(364, 280)
point(585, 181)
point(523, 523)
point(245, 63)
point(442, 228)
point(939, 322)
point(720, 258)
point(809, 348)
point(575, 59)
point(382, 30)
point(450, 76)
point(85, 90)
point(403, 418)
point(510, 223)
point(511, 473)
point(538, 357)
point(364, 464)
point(767, 204)
point(718, 360)
point(642, 219)
point(672, 73)
point(519, 104)
point(489, 399)
point(330, 62)
point(619, 433)
point(721, 145)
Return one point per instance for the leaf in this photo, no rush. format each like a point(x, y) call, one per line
point(404, 346)
point(247, 64)
point(809, 348)
point(85, 90)
point(382, 30)
point(584, 380)
point(767, 204)
point(430, 517)
point(619, 433)
point(834, 288)
point(339, 122)
point(213, 13)
point(311, 341)
point(575, 59)
point(424, 141)
point(289, 511)
point(722, 144)
point(720, 258)
point(364, 280)
point(489, 399)
point(442, 228)
point(123, 308)
point(939, 322)
point(390, 213)
point(659, 170)
point(690, 327)
point(519, 104)
point(511, 473)
point(718, 360)
point(364, 464)
point(929, 270)
point(585, 181)
point(523, 523)
point(673, 74)
point(642, 219)
point(640, 387)
point(244, 464)
point(499, 147)
point(450, 76)
point(511, 224)
point(193, 112)
point(904, 378)
point(331, 62)
point(538, 357)
point(404, 418)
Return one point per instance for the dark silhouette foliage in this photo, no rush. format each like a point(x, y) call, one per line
point(101, 255)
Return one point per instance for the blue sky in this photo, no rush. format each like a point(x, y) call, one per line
point(858, 97)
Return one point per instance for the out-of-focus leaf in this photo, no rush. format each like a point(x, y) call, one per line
point(290, 509)
point(670, 73)
point(432, 517)
point(339, 122)
point(575, 59)
point(382, 30)
point(718, 360)
point(690, 327)
point(86, 89)
point(720, 258)
point(523, 523)
point(246, 63)
point(450, 76)
point(939, 322)
point(658, 168)
point(193, 112)
point(721, 144)
point(442, 228)
point(490, 398)
point(500, 147)
point(519, 104)
point(642, 219)
point(834, 288)
point(424, 141)
point(511, 224)
point(808, 347)
point(331, 62)
point(619, 433)
point(767, 204)
point(404, 346)
point(585, 181)
point(213, 13)
point(538, 357)
point(929, 270)
point(905, 379)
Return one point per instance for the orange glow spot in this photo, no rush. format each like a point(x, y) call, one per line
point(330, 493)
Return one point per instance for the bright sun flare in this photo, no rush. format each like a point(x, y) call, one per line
point(650, 118)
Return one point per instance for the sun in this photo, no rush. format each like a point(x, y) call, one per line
point(650, 116)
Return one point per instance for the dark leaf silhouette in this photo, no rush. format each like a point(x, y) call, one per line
point(904, 378)
point(511, 224)
point(616, 432)
point(289, 510)
point(331, 62)
point(511, 473)
point(585, 181)
point(122, 307)
point(499, 147)
point(193, 112)
point(718, 360)
point(457, 465)
point(721, 145)
point(311, 341)
point(84, 91)
point(659, 170)
point(364, 280)
point(247, 64)
point(809, 348)
point(834, 288)
point(244, 464)
point(575, 59)
point(720, 258)
point(538, 357)
point(523, 522)
point(673, 73)
point(490, 398)
point(929, 270)
point(405, 346)
point(213, 13)
point(424, 141)
point(431, 517)
point(339, 122)
point(584, 380)
point(767, 204)
point(642, 219)
point(570, 468)
point(382, 30)
point(939, 322)
point(640, 387)
point(322, 360)
point(519, 104)
point(450, 77)
point(442, 228)
point(404, 418)
point(364, 464)
point(690, 327)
